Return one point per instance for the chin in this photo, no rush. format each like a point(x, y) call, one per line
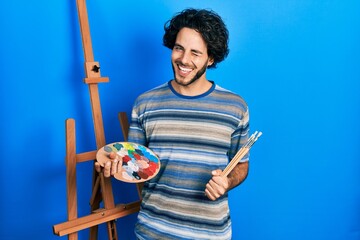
point(180, 82)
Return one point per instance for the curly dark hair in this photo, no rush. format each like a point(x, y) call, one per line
point(208, 23)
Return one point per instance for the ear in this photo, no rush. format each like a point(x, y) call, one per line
point(210, 61)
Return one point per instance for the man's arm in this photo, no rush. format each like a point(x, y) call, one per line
point(238, 174)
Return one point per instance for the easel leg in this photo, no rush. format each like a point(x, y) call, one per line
point(95, 202)
point(105, 195)
point(108, 199)
point(71, 173)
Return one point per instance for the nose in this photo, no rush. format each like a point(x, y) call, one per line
point(186, 58)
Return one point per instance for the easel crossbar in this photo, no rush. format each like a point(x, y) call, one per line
point(86, 156)
point(98, 217)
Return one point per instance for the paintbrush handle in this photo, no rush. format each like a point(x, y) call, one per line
point(239, 155)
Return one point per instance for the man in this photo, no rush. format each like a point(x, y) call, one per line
point(195, 127)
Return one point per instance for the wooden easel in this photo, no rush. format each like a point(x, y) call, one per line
point(102, 188)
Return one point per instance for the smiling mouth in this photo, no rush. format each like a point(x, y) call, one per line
point(184, 70)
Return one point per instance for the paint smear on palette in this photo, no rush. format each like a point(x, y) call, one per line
point(138, 163)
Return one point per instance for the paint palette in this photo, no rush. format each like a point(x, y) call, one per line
point(136, 163)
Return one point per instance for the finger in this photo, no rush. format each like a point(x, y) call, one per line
point(107, 168)
point(211, 191)
point(97, 167)
point(215, 188)
point(119, 166)
point(114, 166)
point(209, 195)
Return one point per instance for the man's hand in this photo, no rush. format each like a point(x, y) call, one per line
point(111, 166)
point(217, 186)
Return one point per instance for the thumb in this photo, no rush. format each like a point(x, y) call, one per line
point(112, 155)
point(216, 172)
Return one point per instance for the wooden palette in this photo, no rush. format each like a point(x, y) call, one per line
point(136, 163)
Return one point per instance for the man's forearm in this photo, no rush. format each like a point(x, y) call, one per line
point(238, 174)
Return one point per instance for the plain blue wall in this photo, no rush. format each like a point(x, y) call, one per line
point(295, 62)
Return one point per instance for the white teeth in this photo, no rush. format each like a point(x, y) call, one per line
point(185, 69)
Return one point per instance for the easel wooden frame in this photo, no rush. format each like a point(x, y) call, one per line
point(102, 188)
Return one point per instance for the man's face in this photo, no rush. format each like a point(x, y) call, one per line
point(189, 57)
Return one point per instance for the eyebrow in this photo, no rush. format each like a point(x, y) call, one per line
point(192, 50)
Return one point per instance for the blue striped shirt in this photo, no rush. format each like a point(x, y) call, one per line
point(192, 136)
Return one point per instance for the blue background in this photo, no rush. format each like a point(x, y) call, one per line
point(295, 62)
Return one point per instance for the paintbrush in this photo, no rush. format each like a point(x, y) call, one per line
point(241, 153)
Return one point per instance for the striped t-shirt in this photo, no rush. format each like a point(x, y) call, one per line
point(192, 136)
